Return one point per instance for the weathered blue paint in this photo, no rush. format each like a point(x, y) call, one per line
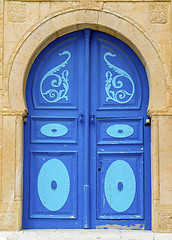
point(86, 130)
point(54, 130)
point(120, 131)
point(73, 90)
point(53, 184)
point(120, 172)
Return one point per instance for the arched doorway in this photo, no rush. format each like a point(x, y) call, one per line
point(87, 138)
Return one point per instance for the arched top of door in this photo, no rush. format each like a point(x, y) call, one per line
point(72, 20)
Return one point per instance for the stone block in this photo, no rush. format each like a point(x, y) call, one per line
point(109, 20)
point(16, 98)
point(63, 21)
point(9, 214)
point(165, 163)
point(164, 221)
point(158, 13)
point(8, 159)
point(10, 32)
point(156, 77)
point(162, 34)
point(9, 48)
point(45, 9)
point(19, 158)
point(155, 159)
point(1, 105)
point(60, 6)
point(163, 236)
point(32, 13)
point(16, 11)
point(166, 51)
point(137, 235)
point(85, 16)
point(1, 6)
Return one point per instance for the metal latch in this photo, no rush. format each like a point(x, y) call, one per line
point(148, 122)
point(25, 119)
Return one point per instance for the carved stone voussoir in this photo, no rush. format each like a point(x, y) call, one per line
point(165, 222)
point(158, 13)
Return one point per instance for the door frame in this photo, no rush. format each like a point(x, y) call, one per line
point(89, 41)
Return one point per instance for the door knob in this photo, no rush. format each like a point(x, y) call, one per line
point(81, 116)
point(92, 117)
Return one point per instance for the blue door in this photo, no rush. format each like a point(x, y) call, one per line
point(87, 136)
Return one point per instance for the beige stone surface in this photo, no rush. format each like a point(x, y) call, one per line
point(26, 27)
point(165, 159)
point(83, 234)
point(1, 48)
point(0, 155)
point(16, 12)
point(160, 30)
point(8, 159)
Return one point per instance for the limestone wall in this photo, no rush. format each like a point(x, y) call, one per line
point(28, 26)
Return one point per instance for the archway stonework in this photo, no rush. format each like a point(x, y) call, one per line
point(32, 43)
point(72, 20)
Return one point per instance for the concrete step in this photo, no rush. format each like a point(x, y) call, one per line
point(84, 235)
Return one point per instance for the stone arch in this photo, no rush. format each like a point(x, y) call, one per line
point(71, 20)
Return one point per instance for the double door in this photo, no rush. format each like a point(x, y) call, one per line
point(87, 149)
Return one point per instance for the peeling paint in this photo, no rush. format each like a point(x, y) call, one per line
point(119, 227)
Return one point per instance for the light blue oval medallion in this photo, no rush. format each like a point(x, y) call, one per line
point(120, 131)
point(120, 186)
point(54, 130)
point(53, 184)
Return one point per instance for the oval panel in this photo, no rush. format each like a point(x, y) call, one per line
point(120, 131)
point(120, 198)
point(54, 130)
point(53, 184)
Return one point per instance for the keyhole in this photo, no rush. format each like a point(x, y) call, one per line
point(53, 185)
point(120, 186)
point(54, 130)
point(120, 131)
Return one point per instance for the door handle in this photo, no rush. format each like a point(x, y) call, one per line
point(92, 117)
point(81, 116)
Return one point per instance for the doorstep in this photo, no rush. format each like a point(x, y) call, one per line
point(101, 234)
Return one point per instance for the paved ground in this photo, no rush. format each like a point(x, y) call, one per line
point(84, 235)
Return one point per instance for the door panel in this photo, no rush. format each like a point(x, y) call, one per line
point(54, 145)
point(87, 150)
point(119, 131)
point(58, 77)
point(117, 140)
point(121, 177)
point(54, 130)
point(56, 188)
point(118, 80)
